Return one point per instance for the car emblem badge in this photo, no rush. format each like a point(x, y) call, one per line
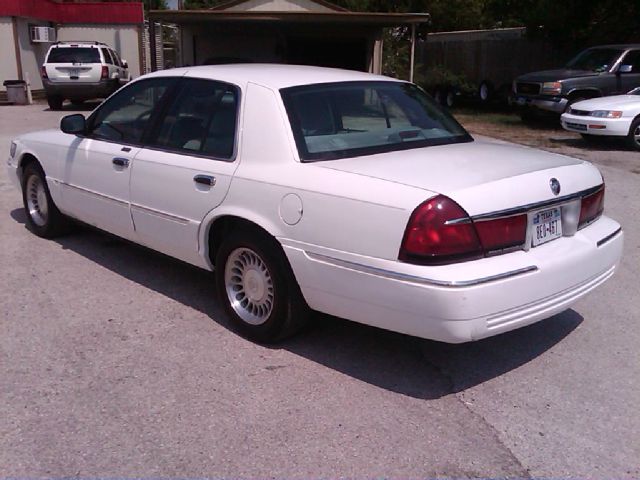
point(555, 186)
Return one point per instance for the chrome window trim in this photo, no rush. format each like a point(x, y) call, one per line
point(404, 277)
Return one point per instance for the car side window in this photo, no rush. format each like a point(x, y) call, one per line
point(116, 58)
point(107, 56)
point(632, 58)
point(125, 116)
point(200, 119)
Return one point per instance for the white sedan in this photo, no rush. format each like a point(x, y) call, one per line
point(342, 192)
point(616, 116)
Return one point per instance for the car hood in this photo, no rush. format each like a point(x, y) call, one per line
point(473, 173)
point(555, 75)
point(616, 102)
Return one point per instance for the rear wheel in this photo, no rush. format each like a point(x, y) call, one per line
point(43, 217)
point(55, 102)
point(484, 92)
point(633, 138)
point(257, 288)
point(450, 99)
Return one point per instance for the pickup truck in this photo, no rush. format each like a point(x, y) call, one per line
point(595, 72)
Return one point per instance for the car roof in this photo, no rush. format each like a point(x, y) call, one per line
point(272, 75)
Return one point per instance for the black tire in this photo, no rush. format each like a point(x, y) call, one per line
point(633, 137)
point(55, 102)
point(274, 309)
point(43, 217)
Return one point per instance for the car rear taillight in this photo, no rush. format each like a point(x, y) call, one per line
point(439, 231)
point(43, 72)
point(105, 73)
point(501, 233)
point(591, 207)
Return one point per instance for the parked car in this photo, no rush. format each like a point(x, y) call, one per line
point(80, 71)
point(595, 72)
point(616, 116)
point(344, 192)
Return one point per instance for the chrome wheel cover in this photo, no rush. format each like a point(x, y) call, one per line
point(249, 286)
point(37, 203)
point(484, 92)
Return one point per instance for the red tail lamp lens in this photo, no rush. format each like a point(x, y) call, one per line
point(105, 73)
point(43, 72)
point(591, 208)
point(502, 232)
point(429, 239)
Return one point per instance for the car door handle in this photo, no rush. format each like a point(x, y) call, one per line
point(205, 180)
point(120, 162)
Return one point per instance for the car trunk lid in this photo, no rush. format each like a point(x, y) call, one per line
point(482, 177)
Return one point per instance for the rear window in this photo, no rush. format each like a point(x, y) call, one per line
point(73, 55)
point(349, 119)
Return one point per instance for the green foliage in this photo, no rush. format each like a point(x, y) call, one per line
point(439, 76)
point(196, 4)
point(155, 4)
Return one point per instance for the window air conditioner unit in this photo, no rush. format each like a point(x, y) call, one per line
point(42, 34)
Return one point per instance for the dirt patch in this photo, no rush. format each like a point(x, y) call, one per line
point(548, 135)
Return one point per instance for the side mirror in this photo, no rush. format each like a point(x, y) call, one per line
point(74, 124)
point(625, 69)
point(125, 64)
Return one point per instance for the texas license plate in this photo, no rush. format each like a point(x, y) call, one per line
point(546, 225)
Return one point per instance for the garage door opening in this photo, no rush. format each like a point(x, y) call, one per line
point(350, 54)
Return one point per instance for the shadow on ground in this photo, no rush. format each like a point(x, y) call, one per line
point(399, 363)
point(595, 144)
point(69, 107)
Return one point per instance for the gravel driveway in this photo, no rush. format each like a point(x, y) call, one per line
point(117, 361)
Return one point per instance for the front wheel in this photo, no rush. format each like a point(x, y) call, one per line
point(43, 217)
point(257, 288)
point(55, 102)
point(633, 138)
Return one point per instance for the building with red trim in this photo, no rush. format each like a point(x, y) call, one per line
point(28, 27)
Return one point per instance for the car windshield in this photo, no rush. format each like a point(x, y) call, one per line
point(73, 55)
point(349, 119)
point(635, 91)
point(595, 59)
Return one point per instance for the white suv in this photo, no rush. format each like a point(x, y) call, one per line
point(79, 71)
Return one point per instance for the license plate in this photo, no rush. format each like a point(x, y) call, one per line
point(546, 225)
point(74, 72)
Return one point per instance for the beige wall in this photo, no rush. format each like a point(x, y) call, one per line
point(8, 65)
point(123, 38)
point(279, 6)
point(31, 54)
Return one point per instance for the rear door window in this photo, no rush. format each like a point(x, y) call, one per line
point(108, 58)
point(201, 119)
point(73, 55)
point(633, 58)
